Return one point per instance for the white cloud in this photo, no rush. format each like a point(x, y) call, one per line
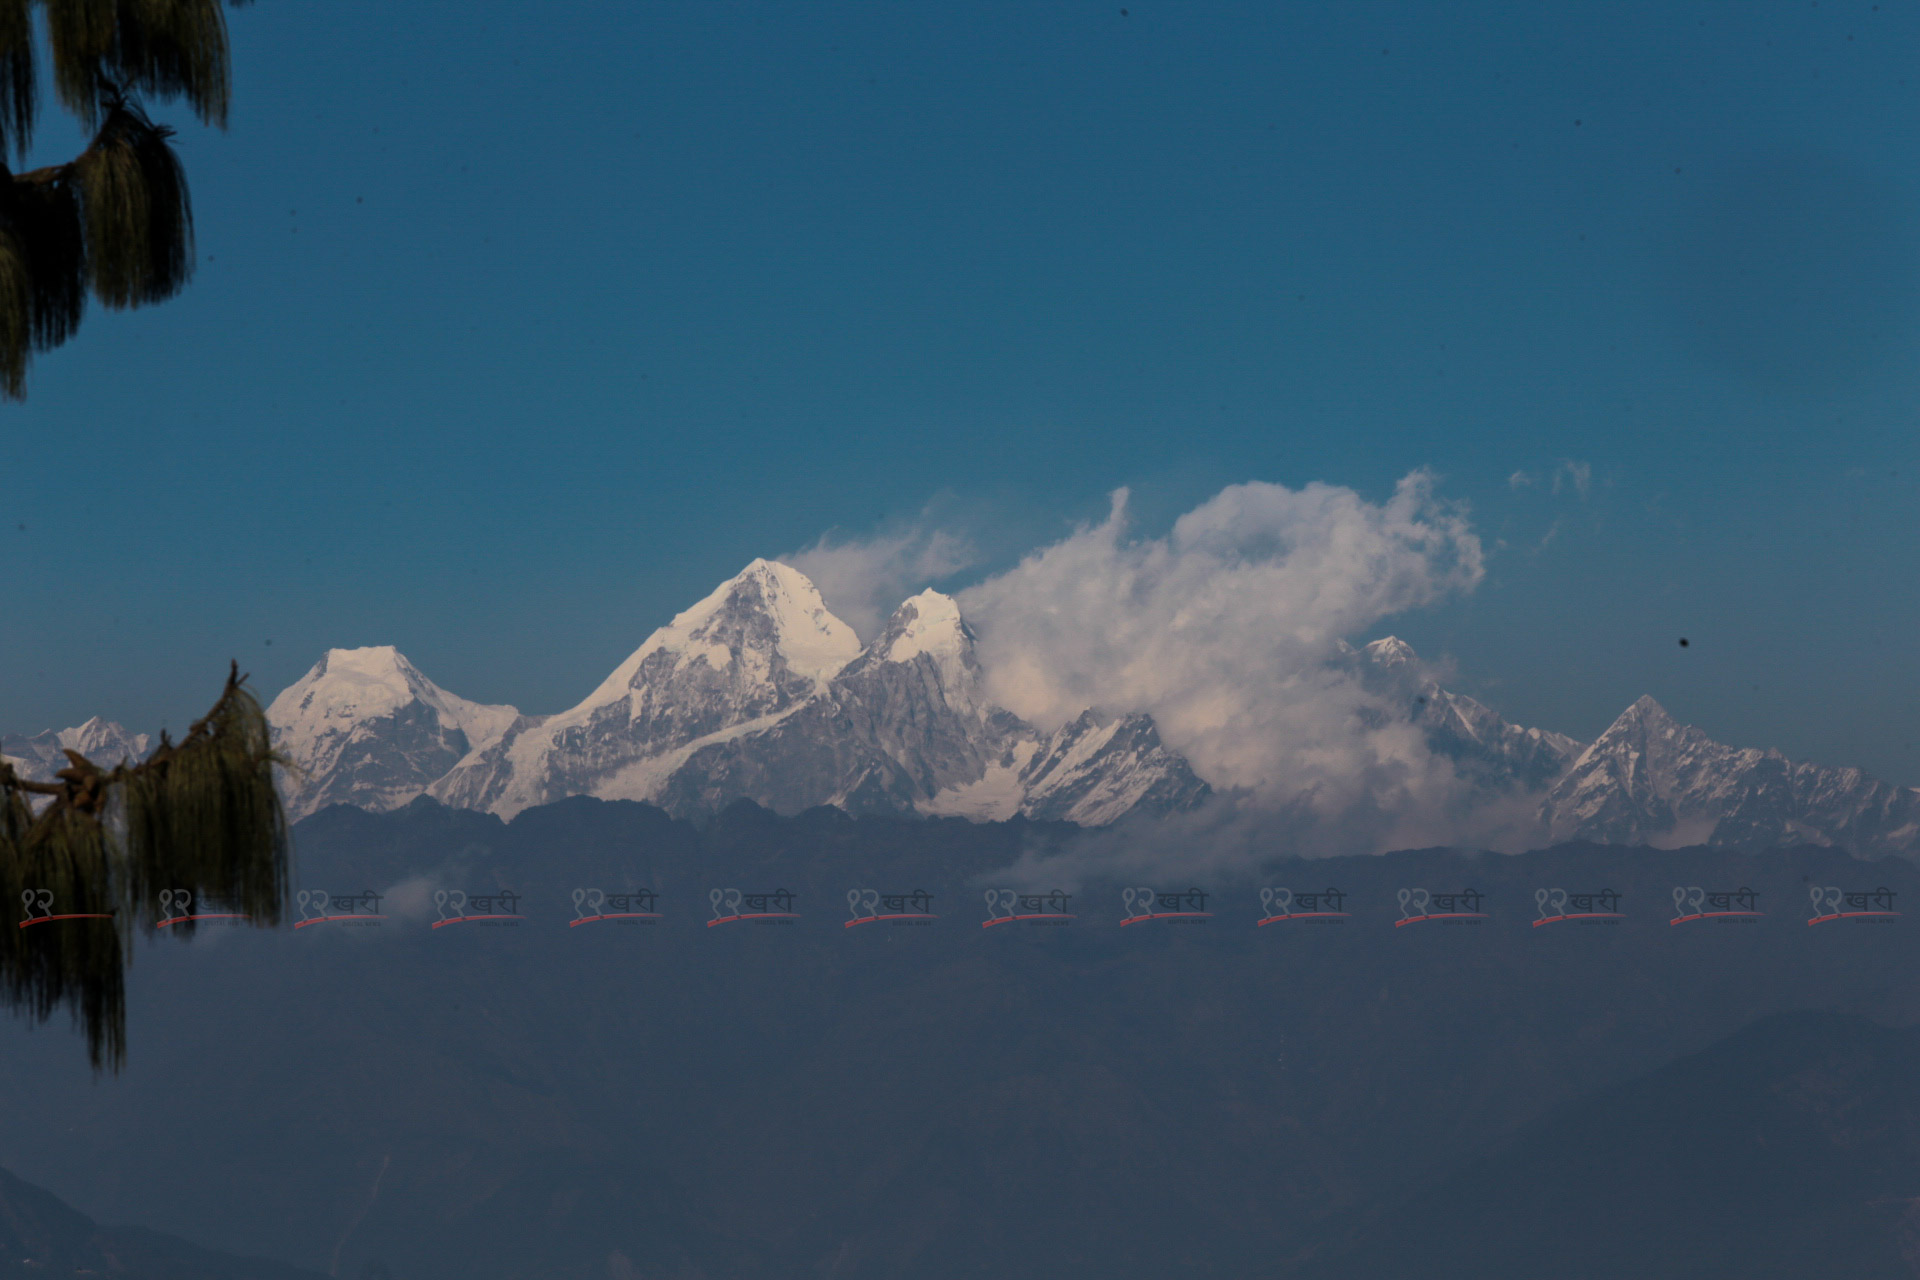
point(1229, 631)
point(1573, 474)
point(864, 579)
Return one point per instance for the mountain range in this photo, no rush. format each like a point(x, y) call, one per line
point(759, 692)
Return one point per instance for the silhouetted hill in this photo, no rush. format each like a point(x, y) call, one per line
point(1788, 1150)
point(807, 1099)
point(42, 1235)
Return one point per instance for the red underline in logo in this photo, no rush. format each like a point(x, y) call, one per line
point(1038, 915)
point(904, 915)
point(614, 915)
point(1299, 915)
point(77, 915)
point(1850, 915)
point(470, 919)
point(211, 915)
point(1442, 915)
point(1581, 915)
point(1713, 915)
point(1166, 915)
point(324, 919)
point(756, 915)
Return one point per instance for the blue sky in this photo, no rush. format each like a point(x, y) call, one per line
point(516, 330)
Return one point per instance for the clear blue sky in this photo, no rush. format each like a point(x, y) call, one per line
point(519, 327)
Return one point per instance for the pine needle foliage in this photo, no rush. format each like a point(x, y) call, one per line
point(199, 817)
point(116, 219)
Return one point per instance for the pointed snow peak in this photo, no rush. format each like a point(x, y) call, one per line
point(351, 684)
point(1391, 651)
point(349, 687)
point(767, 608)
point(105, 742)
point(928, 623)
point(1644, 714)
point(367, 728)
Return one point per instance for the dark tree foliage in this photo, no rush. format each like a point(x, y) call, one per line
point(199, 817)
point(115, 220)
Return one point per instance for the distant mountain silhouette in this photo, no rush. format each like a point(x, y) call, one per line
point(927, 1102)
point(42, 1235)
point(1790, 1150)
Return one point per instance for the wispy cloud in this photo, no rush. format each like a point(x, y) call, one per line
point(1577, 476)
point(862, 579)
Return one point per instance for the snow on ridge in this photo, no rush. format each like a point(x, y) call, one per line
point(932, 625)
point(811, 640)
point(365, 727)
point(349, 687)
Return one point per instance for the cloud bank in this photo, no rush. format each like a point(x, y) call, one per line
point(1231, 631)
point(1228, 630)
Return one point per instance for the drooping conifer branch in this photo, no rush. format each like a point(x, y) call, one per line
point(201, 816)
point(116, 219)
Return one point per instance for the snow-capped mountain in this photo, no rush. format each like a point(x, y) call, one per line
point(365, 728)
point(102, 741)
point(904, 728)
point(1648, 779)
point(1651, 780)
point(758, 692)
point(752, 653)
point(1484, 747)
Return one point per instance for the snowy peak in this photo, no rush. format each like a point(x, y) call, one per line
point(1490, 753)
point(1650, 779)
point(765, 624)
point(1645, 717)
point(1096, 769)
point(104, 742)
point(925, 643)
point(760, 643)
point(758, 692)
point(1390, 653)
point(351, 686)
point(365, 727)
point(754, 651)
point(928, 623)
